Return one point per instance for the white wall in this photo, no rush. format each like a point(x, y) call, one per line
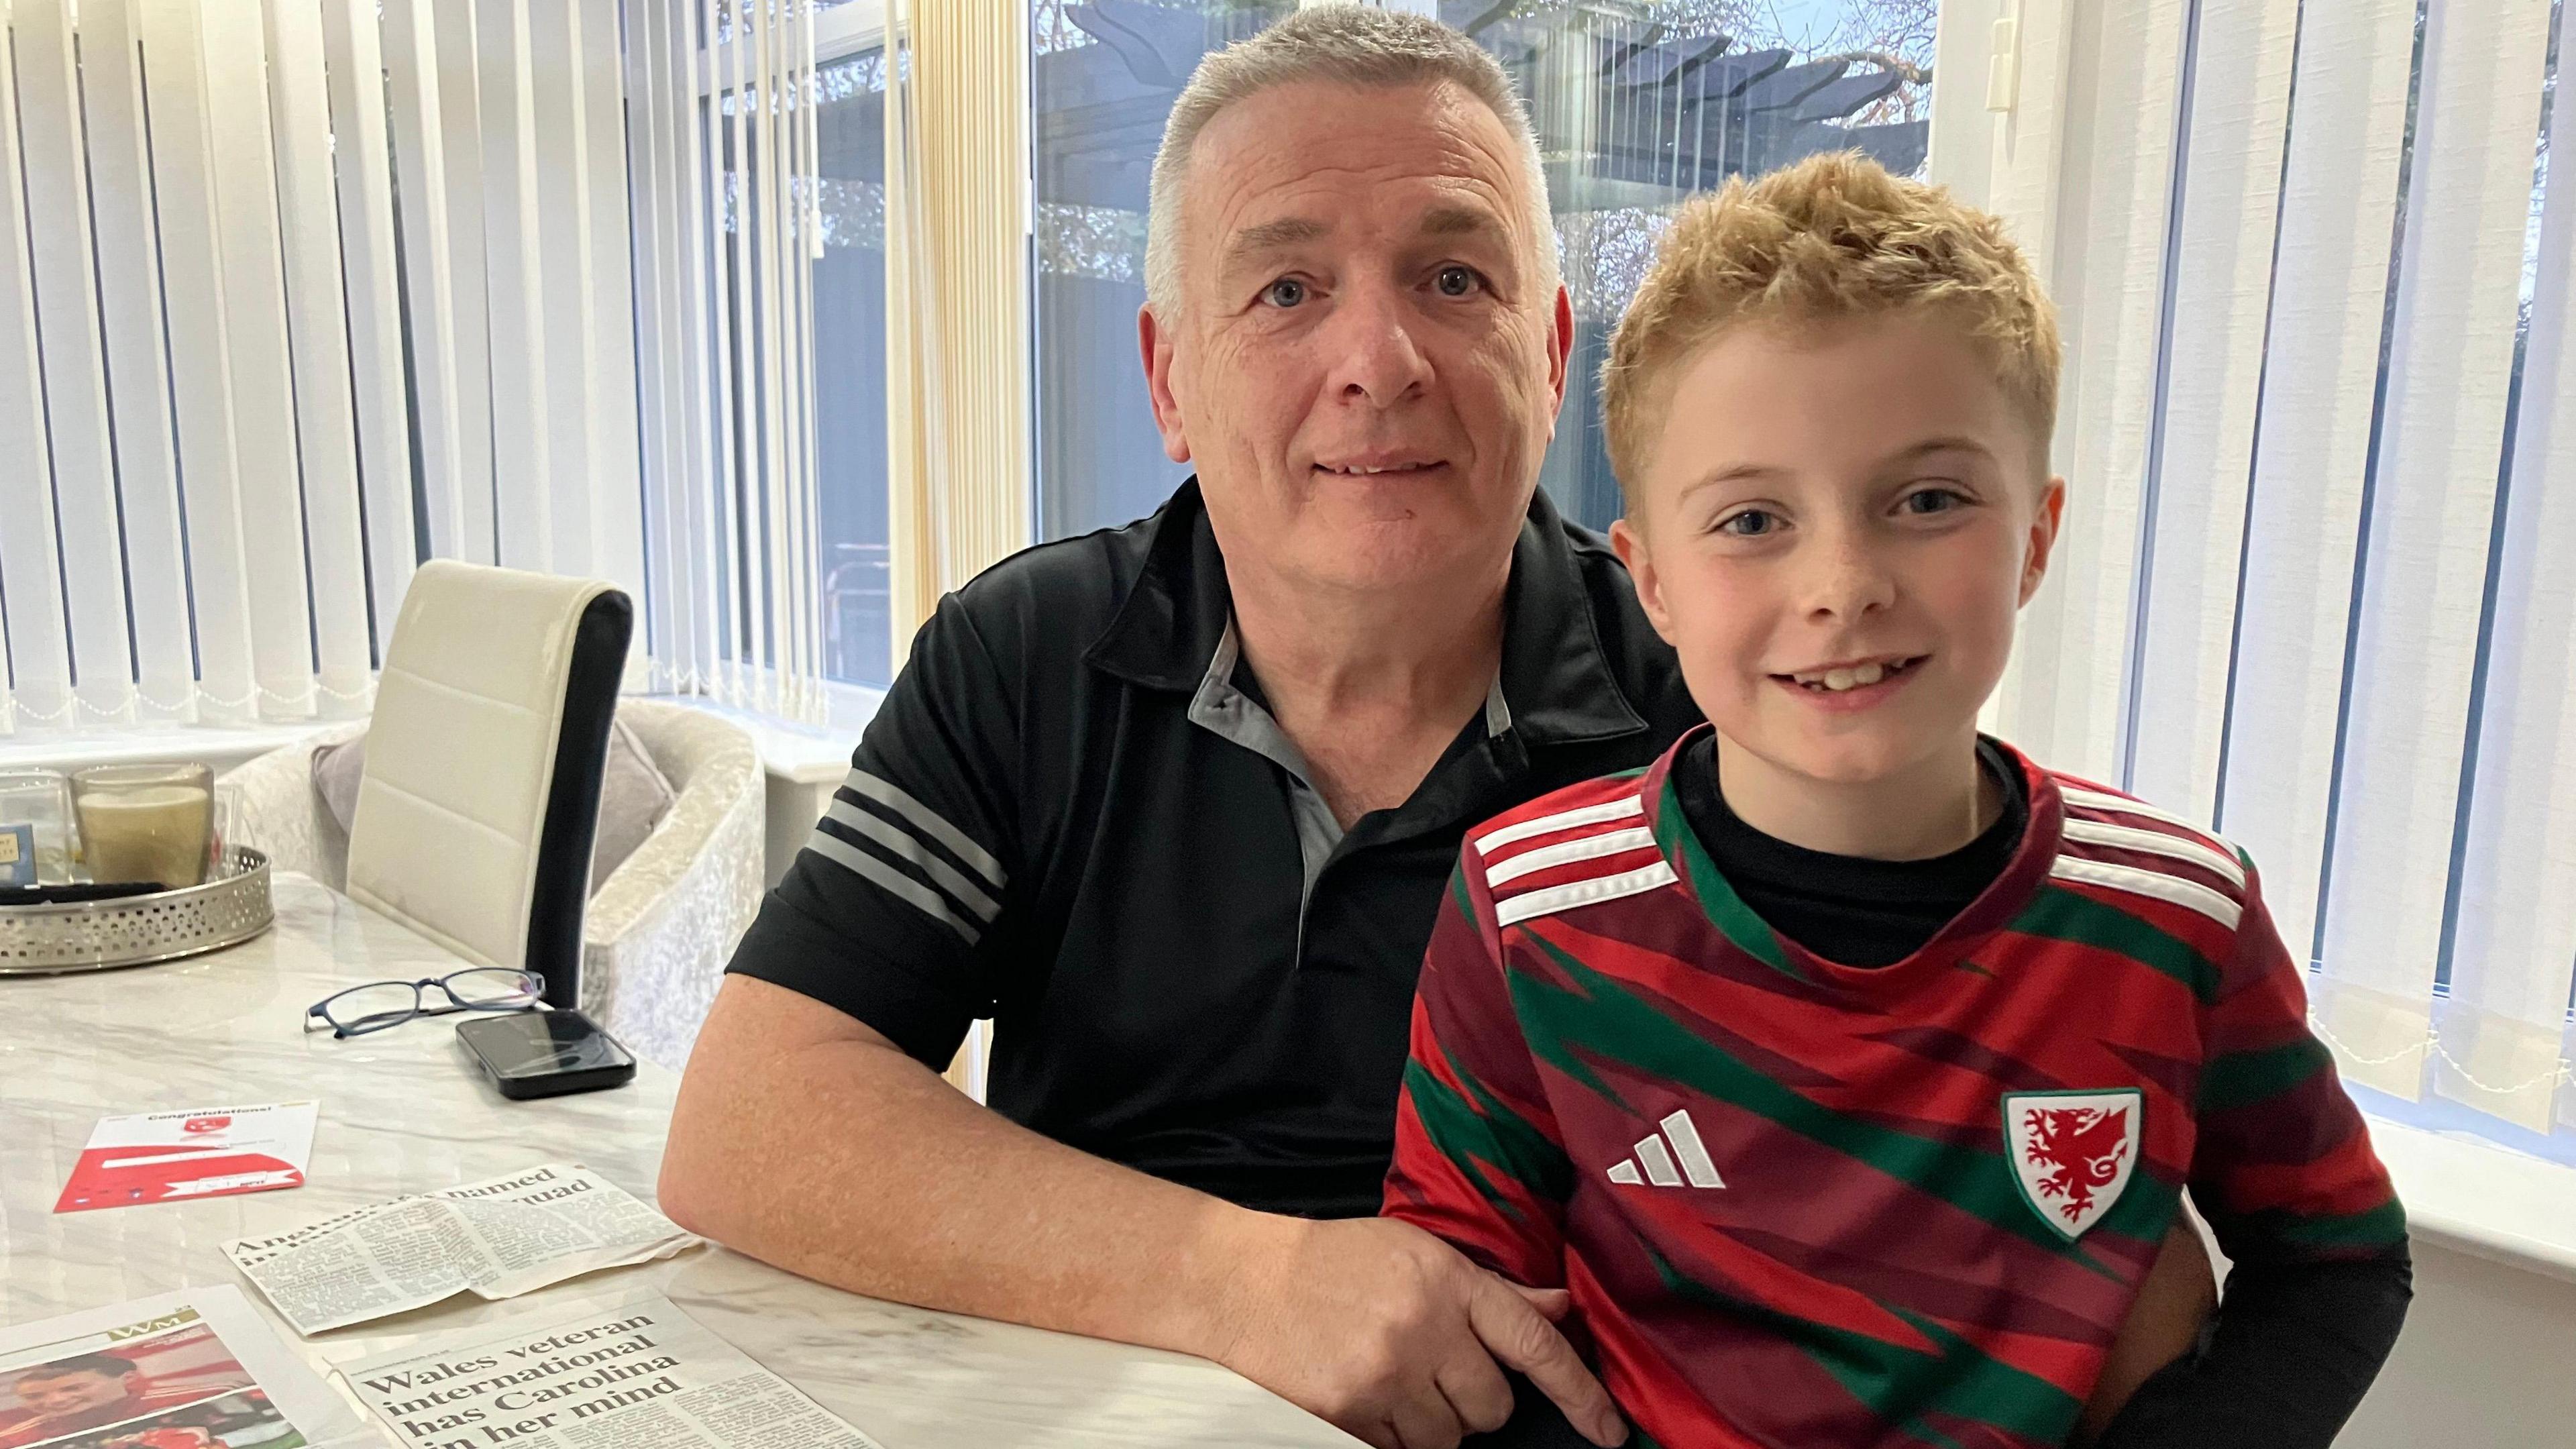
point(2488, 1361)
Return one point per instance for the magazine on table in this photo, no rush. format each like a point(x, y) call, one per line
point(497, 1238)
point(195, 1369)
point(633, 1373)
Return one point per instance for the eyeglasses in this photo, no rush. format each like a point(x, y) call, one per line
point(380, 1004)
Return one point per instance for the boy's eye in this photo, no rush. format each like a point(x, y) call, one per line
point(1286, 292)
point(1457, 281)
point(1933, 500)
point(1751, 523)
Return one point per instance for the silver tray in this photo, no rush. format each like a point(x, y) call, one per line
point(139, 930)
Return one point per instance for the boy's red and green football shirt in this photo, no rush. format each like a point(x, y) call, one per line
point(1804, 1205)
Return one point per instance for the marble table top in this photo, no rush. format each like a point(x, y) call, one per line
point(405, 1111)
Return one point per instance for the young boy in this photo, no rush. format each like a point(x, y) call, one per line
point(1846, 1065)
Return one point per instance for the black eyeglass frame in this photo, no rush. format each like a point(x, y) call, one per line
point(529, 998)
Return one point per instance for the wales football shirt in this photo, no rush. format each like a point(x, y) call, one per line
point(1802, 1202)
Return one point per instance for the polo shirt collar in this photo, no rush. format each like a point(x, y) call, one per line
point(1558, 683)
point(1555, 688)
point(1180, 609)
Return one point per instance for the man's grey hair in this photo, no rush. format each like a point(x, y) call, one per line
point(1351, 45)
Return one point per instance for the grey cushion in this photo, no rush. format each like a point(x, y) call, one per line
point(633, 794)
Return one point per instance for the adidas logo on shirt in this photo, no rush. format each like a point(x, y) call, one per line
point(1686, 1151)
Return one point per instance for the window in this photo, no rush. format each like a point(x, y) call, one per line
point(761, 225)
point(1637, 106)
point(2317, 416)
point(850, 368)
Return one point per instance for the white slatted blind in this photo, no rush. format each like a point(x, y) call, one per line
point(2512, 962)
point(2427, 526)
point(201, 380)
point(31, 585)
point(2321, 435)
point(612, 388)
point(295, 293)
point(514, 287)
point(2063, 692)
point(450, 58)
point(2198, 475)
point(2315, 425)
point(721, 156)
point(253, 298)
point(132, 301)
point(326, 426)
point(89, 541)
point(355, 68)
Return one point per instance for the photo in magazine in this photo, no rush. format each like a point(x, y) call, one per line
point(194, 1369)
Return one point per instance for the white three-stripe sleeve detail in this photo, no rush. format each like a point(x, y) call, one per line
point(899, 842)
point(1626, 1172)
point(1582, 893)
point(1638, 838)
point(1619, 809)
point(2163, 887)
point(2156, 842)
point(904, 887)
point(1693, 1154)
point(931, 822)
point(1659, 1163)
point(2082, 798)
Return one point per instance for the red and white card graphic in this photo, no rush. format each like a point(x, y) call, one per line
point(191, 1153)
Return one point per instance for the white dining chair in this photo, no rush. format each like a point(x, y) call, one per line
point(480, 795)
point(659, 928)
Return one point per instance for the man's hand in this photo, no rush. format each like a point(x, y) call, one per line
point(1390, 1334)
point(1375, 1325)
point(2177, 1297)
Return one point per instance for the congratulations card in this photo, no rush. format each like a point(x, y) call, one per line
point(191, 1153)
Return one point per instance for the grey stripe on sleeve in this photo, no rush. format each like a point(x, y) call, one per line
point(832, 847)
point(931, 823)
point(899, 842)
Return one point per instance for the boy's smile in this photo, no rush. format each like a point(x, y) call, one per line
point(1835, 528)
point(1854, 683)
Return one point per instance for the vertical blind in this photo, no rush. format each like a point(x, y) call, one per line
point(2319, 424)
point(294, 293)
point(721, 127)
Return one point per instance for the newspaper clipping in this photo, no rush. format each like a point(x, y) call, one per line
point(498, 1238)
point(196, 1369)
point(636, 1374)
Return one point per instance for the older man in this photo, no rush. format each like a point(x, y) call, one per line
point(1174, 804)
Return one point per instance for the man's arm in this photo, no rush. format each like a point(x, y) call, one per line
point(2295, 1347)
point(812, 1130)
point(2164, 1327)
point(919, 1195)
point(2285, 1174)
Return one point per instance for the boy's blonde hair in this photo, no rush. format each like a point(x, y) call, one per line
point(1833, 236)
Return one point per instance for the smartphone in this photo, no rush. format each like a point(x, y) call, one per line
point(546, 1053)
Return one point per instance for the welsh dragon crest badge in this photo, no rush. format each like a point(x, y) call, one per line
point(2073, 1152)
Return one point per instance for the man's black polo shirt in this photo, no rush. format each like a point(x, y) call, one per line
point(1072, 814)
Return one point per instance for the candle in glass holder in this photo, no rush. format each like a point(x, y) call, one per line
point(36, 823)
point(145, 822)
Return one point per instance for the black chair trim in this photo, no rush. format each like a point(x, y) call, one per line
point(560, 891)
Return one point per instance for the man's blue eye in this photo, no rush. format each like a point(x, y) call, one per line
point(1751, 523)
point(1933, 500)
point(1456, 281)
point(1286, 292)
